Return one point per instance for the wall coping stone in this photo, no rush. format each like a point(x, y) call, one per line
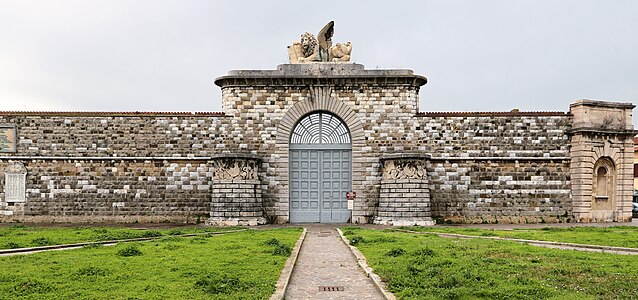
point(599, 103)
point(114, 158)
point(513, 113)
point(232, 181)
point(319, 73)
point(602, 131)
point(417, 155)
point(236, 155)
point(111, 114)
point(385, 181)
point(501, 158)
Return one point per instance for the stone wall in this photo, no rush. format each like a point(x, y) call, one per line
point(115, 190)
point(116, 167)
point(510, 167)
point(481, 167)
point(118, 134)
point(500, 191)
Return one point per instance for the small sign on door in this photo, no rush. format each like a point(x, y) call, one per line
point(350, 204)
point(351, 195)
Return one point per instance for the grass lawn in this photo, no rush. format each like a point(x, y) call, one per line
point(432, 267)
point(21, 236)
point(240, 265)
point(619, 236)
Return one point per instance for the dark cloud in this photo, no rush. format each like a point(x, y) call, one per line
point(161, 55)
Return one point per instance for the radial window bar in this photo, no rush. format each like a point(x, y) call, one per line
point(320, 128)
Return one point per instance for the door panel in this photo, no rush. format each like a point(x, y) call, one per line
point(319, 180)
point(304, 201)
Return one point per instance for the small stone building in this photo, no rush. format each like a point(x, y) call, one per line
point(320, 142)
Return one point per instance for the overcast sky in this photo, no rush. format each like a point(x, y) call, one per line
point(484, 55)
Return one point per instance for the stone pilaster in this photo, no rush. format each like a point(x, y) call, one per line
point(601, 131)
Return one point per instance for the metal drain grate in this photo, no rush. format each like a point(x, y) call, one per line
point(331, 288)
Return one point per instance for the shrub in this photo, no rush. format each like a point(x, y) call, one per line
point(395, 252)
point(424, 252)
point(272, 242)
point(130, 250)
point(175, 232)
point(12, 245)
point(355, 240)
point(41, 241)
point(282, 250)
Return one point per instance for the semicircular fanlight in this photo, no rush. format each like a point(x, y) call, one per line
point(320, 128)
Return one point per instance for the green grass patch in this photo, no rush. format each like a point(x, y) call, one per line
point(431, 267)
point(237, 265)
point(21, 236)
point(618, 236)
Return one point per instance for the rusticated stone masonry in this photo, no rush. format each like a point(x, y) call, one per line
point(232, 167)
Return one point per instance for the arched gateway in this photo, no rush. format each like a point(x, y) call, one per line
point(320, 169)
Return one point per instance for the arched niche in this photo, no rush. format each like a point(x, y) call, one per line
point(604, 187)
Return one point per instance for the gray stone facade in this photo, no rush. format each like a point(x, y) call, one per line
point(232, 167)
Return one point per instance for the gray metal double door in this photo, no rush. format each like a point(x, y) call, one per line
point(319, 180)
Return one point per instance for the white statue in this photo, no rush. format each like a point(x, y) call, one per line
point(310, 49)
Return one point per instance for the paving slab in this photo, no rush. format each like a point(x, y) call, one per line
point(326, 269)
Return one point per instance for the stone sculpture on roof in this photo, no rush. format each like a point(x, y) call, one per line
point(320, 49)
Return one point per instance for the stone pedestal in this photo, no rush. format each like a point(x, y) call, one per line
point(236, 198)
point(404, 198)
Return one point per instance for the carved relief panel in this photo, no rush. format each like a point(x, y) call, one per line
point(15, 183)
point(404, 169)
point(235, 169)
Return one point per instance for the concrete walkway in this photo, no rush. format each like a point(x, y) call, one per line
point(325, 261)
